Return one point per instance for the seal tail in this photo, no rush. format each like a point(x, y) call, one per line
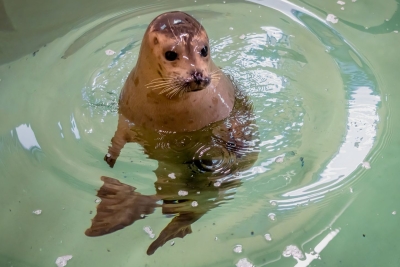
point(178, 227)
point(120, 206)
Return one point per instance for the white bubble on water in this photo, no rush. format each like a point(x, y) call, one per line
point(97, 200)
point(62, 261)
point(244, 263)
point(183, 193)
point(37, 212)
point(294, 251)
point(332, 18)
point(195, 204)
point(366, 165)
point(238, 249)
point(268, 237)
point(341, 2)
point(394, 212)
point(272, 216)
point(172, 175)
point(109, 52)
point(149, 231)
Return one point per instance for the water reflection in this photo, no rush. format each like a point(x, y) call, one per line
point(27, 137)
point(360, 85)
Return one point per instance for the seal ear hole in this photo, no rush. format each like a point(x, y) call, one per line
point(171, 55)
point(204, 51)
point(155, 40)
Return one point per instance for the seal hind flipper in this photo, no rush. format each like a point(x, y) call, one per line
point(178, 227)
point(120, 206)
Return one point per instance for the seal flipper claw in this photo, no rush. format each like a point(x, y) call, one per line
point(110, 161)
point(178, 227)
point(120, 206)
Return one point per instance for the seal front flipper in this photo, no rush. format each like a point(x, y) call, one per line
point(120, 206)
point(178, 227)
point(122, 135)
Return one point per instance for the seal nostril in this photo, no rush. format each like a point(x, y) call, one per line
point(197, 77)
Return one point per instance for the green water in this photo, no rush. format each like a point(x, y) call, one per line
point(325, 99)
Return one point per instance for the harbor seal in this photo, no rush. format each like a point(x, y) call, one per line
point(189, 117)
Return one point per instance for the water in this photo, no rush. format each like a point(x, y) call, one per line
point(321, 96)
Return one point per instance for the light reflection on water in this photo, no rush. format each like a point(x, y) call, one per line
point(362, 119)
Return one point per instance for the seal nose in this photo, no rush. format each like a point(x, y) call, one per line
point(199, 79)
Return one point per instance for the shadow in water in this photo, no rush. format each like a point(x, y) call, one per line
point(197, 171)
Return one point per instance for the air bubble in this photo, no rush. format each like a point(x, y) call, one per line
point(268, 237)
point(149, 231)
point(272, 216)
point(37, 212)
point(238, 249)
point(109, 52)
point(183, 193)
point(244, 263)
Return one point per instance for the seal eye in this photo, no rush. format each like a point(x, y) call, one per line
point(204, 51)
point(171, 55)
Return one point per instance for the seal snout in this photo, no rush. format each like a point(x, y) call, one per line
point(198, 81)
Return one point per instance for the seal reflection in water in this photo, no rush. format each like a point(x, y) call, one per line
point(190, 117)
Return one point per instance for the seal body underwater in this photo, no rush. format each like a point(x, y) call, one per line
point(189, 117)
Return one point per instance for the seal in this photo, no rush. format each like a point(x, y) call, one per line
point(190, 118)
point(175, 86)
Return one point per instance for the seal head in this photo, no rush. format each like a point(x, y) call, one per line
point(175, 84)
